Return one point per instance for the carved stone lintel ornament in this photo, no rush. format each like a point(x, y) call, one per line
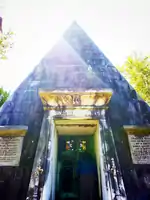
point(76, 100)
point(70, 98)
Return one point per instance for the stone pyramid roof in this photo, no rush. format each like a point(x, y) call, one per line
point(74, 62)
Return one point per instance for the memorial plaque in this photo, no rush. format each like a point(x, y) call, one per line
point(10, 150)
point(140, 148)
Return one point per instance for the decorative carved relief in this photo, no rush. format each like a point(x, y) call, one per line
point(73, 99)
point(77, 100)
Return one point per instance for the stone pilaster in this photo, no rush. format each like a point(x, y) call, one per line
point(112, 181)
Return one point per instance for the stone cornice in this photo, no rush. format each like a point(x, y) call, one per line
point(72, 99)
point(137, 130)
point(13, 131)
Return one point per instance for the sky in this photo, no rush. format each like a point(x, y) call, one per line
point(118, 27)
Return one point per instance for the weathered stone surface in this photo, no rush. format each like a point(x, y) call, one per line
point(75, 62)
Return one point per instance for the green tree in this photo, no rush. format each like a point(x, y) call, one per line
point(3, 96)
point(136, 70)
point(5, 45)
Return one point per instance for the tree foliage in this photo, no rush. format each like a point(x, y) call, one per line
point(136, 70)
point(3, 96)
point(5, 44)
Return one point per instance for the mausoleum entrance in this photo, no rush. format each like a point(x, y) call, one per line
point(74, 126)
point(74, 137)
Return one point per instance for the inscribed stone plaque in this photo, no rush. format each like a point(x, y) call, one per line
point(10, 150)
point(140, 148)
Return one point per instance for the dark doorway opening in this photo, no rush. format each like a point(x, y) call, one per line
point(70, 150)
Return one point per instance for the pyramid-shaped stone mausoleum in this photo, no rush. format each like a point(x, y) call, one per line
point(75, 96)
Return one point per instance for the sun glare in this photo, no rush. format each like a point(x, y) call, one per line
point(35, 34)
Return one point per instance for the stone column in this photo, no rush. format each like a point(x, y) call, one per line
point(41, 161)
point(112, 181)
point(48, 189)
